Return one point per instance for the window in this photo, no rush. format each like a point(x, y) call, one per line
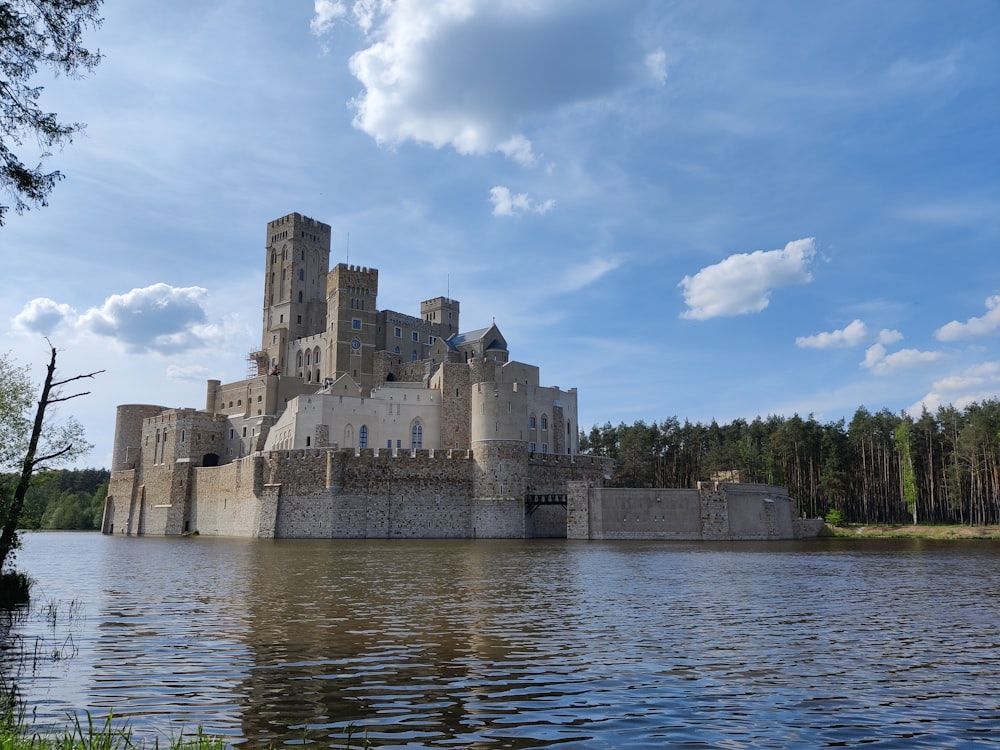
point(356, 324)
point(363, 436)
point(399, 444)
point(545, 447)
point(395, 350)
point(531, 422)
point(415, 336)
point(545, 422)
point(302, 275)
point(417, 436)
point(531, 447)
point(430, 340)
point(413, 356)
point(397, 332)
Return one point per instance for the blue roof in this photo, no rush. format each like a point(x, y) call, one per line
point(479, 334)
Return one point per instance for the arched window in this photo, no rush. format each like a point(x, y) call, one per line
point(316, 355)
point(300, 296)
point(349, 436)
point(298, 360)
point(308, 357)
point(363, 436)
point(396, 350)
point(413, 357)
point(302, 275)
point(416, 435)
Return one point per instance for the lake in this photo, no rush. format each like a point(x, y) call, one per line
point(517, 644)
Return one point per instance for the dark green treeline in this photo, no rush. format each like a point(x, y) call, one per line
point(879, 468)
point(63, 499)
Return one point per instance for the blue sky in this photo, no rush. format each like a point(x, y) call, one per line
point(709, 210)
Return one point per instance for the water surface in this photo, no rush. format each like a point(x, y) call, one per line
point(520, 644)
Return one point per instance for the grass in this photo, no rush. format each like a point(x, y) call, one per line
point(914, 531)
point(91, 736)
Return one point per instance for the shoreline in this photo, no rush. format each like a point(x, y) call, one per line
point(914, 531)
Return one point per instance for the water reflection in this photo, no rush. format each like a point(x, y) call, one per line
point(527, 643)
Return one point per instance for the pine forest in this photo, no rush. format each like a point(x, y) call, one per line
point(881, 468)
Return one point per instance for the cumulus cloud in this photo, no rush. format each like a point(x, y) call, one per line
point(974, 384)
point(889, 336)
point(851, 335)
point(987, 324)
point(743, 283)
point(43, 316)
point(158, 318)
point(881, 362)
point(506, 203)
point(466, 73)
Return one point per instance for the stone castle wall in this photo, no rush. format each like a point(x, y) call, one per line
point(716, 511)
point(329, 493)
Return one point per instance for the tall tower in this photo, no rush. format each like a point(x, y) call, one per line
point(295, 267)
point(351, 307)
point(443, 312)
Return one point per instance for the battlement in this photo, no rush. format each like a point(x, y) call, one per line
point(357, 279)
point(561, 460)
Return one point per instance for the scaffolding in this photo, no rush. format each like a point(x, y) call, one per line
point(256, 364)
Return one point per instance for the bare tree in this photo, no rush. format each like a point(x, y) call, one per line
point(38, 452)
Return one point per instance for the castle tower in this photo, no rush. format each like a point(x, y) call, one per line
point(351, 307)
point(443, 312)
point(296, 264)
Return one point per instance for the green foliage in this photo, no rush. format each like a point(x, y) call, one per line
point(904, 446)
point(834, 517)
point(33, 34)
point(88, 735)
point(71, 499)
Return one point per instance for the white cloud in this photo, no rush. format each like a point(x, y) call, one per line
point(656, 64)
point(327, 14)
point(584, 274)
point(157, 318)
point(987, 324)
point(43, 316)
point(852, 334)
point(976, 383)
point(881, 363)
point(889, 336)
point(467, 73)
point(506, 203)
point(743, 283)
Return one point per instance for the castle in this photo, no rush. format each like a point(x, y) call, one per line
point(360, 422)
point(347, 411)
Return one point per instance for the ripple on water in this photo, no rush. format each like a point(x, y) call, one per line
point(521, 644)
